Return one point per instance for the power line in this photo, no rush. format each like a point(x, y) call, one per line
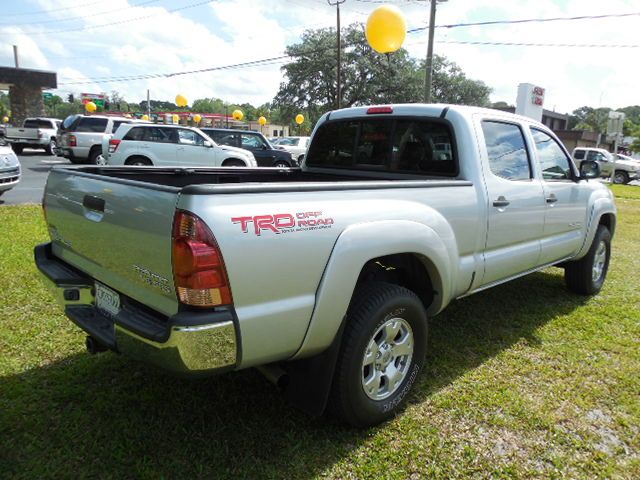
point(120, 22)
point(529, 20)
point(79, 17)
point(525, 44)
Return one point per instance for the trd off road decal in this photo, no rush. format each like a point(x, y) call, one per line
point(284, 222)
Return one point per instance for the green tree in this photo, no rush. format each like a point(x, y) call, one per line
point(5, 105)
point(51, 105)
point(366, 77)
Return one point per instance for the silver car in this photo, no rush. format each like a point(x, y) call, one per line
point(9, 169)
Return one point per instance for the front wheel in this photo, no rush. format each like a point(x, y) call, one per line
point(281, 164)
point(586, 276)
point(381, 354)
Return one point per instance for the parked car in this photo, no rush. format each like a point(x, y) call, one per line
point(35, 133)
point(149, 144)
point(370, 238)
point(626, 170)
point(296, 146)
point(627, 158)
point(266, 155)
point(9, 168)
point(81, 136)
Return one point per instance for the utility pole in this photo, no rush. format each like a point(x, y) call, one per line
point(429, 63)
point(338, 89)
point(15, 56)
point(148, 105)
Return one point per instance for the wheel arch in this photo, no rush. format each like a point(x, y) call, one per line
point(602, 212)
point(417, 258)
point(131, 158)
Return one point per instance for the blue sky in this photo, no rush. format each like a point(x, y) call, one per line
point(90, 42)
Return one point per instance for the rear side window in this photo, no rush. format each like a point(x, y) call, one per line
point(160, 135)
point(95, 125)
point(135, 134)
point(35, 123)
point(506, 150)
point(116, 124)
point(578, 154)
point(416, 146)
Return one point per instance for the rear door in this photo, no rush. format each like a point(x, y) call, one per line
point(118, 233)
point(516, 205)
point(159, 144)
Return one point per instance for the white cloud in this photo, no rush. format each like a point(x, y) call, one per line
point(227, 32)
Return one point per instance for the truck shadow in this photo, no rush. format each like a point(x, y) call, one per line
point(106, 416)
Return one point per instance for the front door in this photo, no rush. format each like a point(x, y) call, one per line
point(192, 151)
point(565, 200)
point(515, 203)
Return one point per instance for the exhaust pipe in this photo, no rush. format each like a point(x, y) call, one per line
point(94, 346)
point(275, 375)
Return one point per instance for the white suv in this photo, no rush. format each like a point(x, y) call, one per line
point(171, 145)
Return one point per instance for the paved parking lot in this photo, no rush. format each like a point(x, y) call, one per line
point(35, 168)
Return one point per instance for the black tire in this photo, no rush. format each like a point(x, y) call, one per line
point(51, 147)
point(17, 149)
point(93, 154)
point(281, 164)
point(138, 161)
point(621, 177)
point(372, 307)
point(580, 276)
point(76, 161)
point(233, 162)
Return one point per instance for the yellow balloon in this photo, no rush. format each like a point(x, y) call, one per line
point(90, 107)
point(181, 101)
point(262, 121)
point(145, 118)
point(197, 117)
point(237, 115)
point(5, 119)
point(299, 119)
point(175, 118)
point(386, 29)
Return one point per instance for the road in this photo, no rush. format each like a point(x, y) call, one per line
point(35, 168)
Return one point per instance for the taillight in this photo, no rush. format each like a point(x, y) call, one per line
point(113, 145)
point(198, 268)
point(72, 141)
point(377, 110)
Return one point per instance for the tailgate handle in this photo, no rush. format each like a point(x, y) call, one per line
point(93, 203)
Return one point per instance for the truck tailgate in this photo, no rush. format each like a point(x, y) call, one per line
point(117, 232)
point(22, 133)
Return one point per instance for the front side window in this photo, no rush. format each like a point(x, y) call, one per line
point(252, 142)
point(506, 150)
point(594, 156)
point(415, 146)
point(93, 125)
point(189, 137)
point(554, 163)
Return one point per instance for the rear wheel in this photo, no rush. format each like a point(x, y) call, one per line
point(233, 162)
point(94, 155)
point(381, 354)
point(51, 147)
point(139, 161)
point(586, 276)
point(620, 177)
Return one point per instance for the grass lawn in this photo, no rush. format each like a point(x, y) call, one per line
point(522, 381)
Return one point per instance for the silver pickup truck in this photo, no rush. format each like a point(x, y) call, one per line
point(34, 133)
point(323, 277)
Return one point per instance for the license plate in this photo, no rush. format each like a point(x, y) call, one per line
point(107, 300)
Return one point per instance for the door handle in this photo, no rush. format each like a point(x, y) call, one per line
point(552, 198)
point(93, 203)
point(500, 202)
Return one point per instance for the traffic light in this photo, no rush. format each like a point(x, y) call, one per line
point(70, 98)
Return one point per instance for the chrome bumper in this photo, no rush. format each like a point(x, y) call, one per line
point(188, 343)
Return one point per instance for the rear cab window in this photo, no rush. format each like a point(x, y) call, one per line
point(395, 145)
point(37, 123)
point(579, 154)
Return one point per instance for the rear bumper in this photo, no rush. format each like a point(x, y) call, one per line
point(189, 343)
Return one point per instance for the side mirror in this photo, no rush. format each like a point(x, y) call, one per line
point(264, 147)
point(589, 169)
point(207, 144)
